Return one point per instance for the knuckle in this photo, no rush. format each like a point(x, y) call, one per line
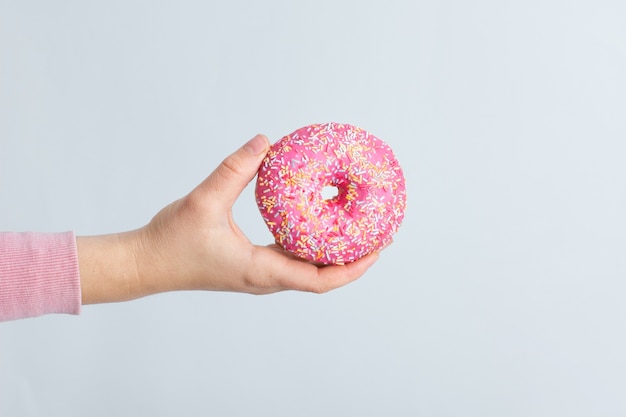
point(320, 288)
point(231, 167)
point(258, 283)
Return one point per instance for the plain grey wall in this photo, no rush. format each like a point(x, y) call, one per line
point(503, 294)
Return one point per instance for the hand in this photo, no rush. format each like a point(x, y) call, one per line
point(194, 243)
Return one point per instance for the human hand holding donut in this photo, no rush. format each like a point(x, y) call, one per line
point(194, 244)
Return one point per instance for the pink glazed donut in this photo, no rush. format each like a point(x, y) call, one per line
point(360, 219)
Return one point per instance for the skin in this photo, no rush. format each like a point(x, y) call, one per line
point(194, 244)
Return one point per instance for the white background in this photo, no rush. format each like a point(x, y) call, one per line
point(503, 294)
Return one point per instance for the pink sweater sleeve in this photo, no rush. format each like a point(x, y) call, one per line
point(38, 275)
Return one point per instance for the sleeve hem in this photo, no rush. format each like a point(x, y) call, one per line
point(39, 274)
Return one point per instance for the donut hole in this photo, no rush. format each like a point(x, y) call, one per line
point(329, 192)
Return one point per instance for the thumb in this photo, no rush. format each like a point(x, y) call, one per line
point(235, 172)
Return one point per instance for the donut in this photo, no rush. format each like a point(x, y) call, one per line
point(360, 219)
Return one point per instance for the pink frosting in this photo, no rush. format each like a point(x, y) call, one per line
point(364, 215)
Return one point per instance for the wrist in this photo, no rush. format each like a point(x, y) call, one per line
point(108, 268)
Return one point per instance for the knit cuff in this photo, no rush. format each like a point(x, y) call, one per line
point(38, 275)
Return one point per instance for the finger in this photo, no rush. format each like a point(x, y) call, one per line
point(296, 274)
point(335, 276)
point(229, 179)
point(276, 247)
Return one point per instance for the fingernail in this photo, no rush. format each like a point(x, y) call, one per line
point(256, 145)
